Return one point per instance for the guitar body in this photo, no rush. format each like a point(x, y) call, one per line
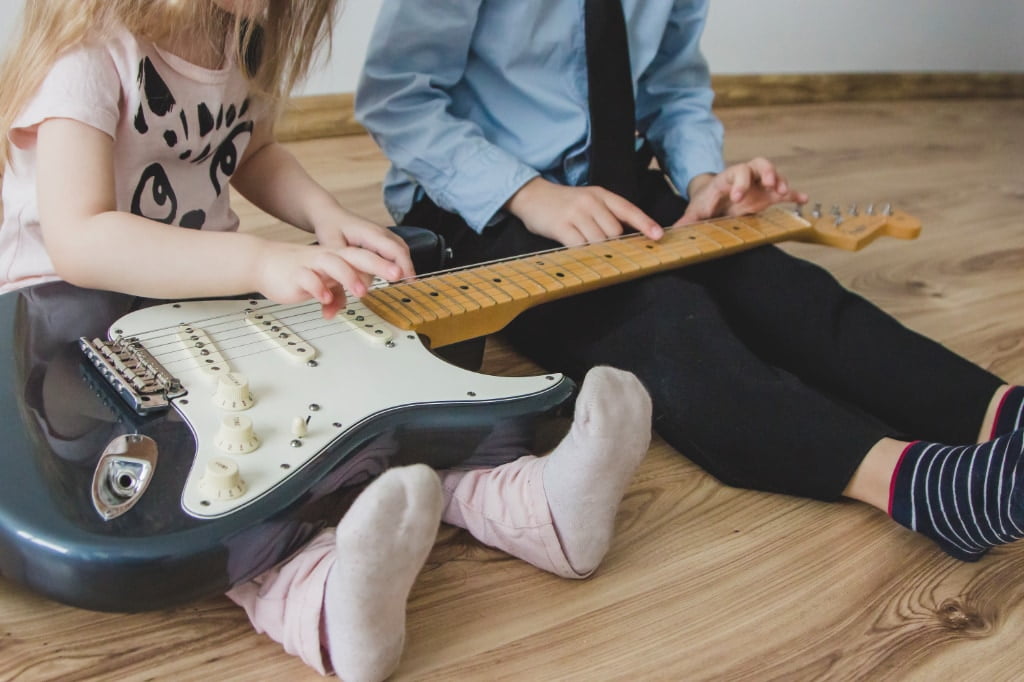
point(105, 508)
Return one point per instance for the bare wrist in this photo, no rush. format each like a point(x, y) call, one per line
point(697, 183)
point(523, 195)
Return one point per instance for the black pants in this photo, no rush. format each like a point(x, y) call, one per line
point(763, 369)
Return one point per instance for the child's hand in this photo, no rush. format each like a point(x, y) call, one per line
point(577, 215)
point(292, 273)
point(738, 190)
point(347, 229)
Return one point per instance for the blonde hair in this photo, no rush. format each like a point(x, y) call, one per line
point(276, 49)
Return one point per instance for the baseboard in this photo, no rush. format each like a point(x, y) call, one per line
point(319, 116)
point(756, 90)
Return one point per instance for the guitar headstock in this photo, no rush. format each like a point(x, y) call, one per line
point(854, 228)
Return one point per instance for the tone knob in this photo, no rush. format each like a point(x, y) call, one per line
point(233, 392)
point(221, 480)
point(236, 435)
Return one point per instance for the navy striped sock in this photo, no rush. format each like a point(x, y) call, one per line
point(965, 498)
point(1010, 416)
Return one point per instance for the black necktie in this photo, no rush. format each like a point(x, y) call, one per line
point(612, 109)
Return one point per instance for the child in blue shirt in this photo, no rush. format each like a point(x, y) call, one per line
point(762, 368)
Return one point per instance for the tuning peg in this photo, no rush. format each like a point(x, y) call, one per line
point(853, 209)
point(817, 211)
point(870, 210)
point(887, 210)
point(837, 215)
point(798, 211)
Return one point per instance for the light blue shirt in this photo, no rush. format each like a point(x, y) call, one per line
point(471, 99)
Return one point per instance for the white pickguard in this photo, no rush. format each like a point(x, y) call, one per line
point(355, 376)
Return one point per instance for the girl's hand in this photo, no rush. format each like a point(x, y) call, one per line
point(348, 230)
point(292, 273)
point(577, 215)
point(738, 190)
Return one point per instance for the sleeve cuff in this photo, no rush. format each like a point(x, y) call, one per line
point(484, 179)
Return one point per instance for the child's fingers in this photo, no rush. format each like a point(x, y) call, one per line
point(740, 177)
point(365, 261)
point(765, 171)
point(337, 302)
point(309, 282)
point(334, 268)
point(598, 225)
point(388, 245)
point(629, 213)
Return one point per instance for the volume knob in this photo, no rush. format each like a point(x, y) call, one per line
point(236, 435)
point(233, 392)
point(221, 479)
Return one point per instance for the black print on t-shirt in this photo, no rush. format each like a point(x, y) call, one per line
point(154, 195)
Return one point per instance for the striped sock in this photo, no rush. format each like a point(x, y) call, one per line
point(1010, 416)
point(965, 498)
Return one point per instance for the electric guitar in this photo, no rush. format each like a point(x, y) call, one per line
point(157, 454)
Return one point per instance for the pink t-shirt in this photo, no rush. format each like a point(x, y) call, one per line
point(179, 131)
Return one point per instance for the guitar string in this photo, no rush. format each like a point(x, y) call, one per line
point(513, 262)
point(357, 308)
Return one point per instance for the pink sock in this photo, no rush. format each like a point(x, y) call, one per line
point(382, 542)
point(586, 476)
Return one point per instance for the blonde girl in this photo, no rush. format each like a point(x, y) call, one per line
point(125, 122)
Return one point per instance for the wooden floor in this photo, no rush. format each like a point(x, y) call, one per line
point(703, 581)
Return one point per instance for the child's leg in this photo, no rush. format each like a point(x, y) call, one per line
point(346, 592)
point(965, 497)
point(558, 512)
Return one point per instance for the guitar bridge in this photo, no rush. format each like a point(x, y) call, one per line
point(133, 373)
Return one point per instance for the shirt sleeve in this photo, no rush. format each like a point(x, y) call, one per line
point(82, 85)
point(417, 54)
point(674, 99)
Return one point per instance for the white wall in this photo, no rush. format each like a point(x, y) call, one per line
point(777, 36)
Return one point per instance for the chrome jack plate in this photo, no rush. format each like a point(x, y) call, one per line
point(122, 474)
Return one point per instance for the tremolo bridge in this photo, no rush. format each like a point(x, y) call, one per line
point(133, 373)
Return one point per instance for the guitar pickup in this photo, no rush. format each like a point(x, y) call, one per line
point(277, 333)
point(132, 373)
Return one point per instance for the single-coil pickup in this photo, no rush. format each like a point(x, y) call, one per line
point(203, 351)
point(368, 323)
point(281, 336)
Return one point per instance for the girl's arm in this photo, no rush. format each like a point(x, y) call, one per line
point(273, 180)
point(93, 245)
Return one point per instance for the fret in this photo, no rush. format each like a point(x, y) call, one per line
point(404, 298)
point(610, 254)
point(575, 265)
point(596, 261)
point(508, 273)
point(543, 279)
point(506, 285)
point(635, 249)
point(444, 286)
point(476, 279)
point(431, 299)
point(469, 287)
point(551, 265)
point(699, 241)
point(383, 302)
point(717, 234)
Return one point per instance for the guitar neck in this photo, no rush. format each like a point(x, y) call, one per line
point(466, 303)
point(470, 302)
